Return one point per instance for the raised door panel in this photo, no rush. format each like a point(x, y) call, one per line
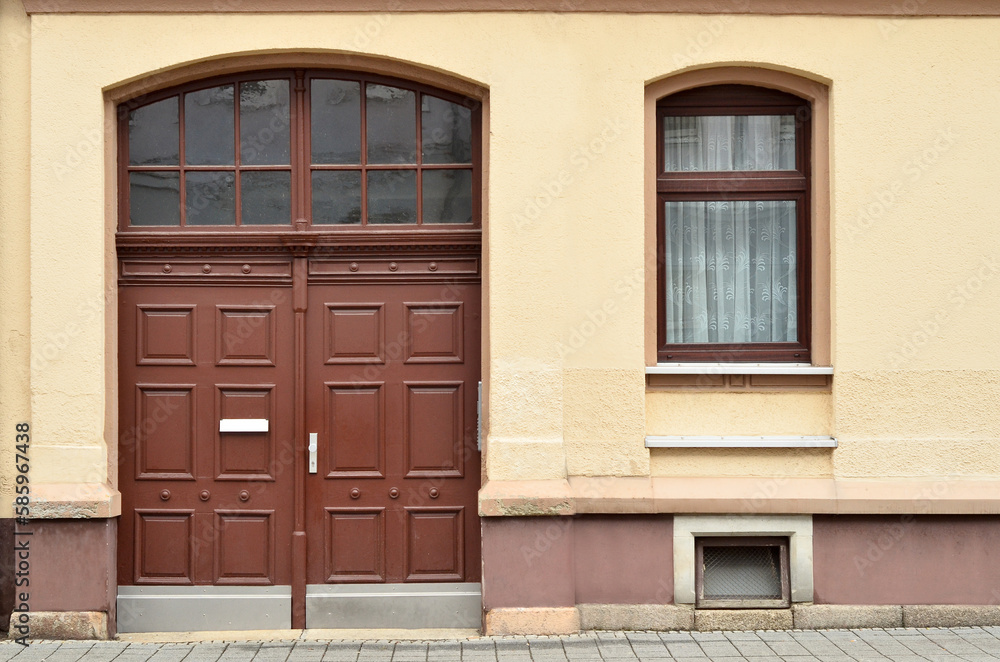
point(434, 429)
point(165, 335)
point(163, 432)
point(434, 332)
point(435, 544)
point(354, 540)
point(245, 335)
point(244, 547)
point(355, 430)
point(245, 455)
point(164, 546)
point(355, 333)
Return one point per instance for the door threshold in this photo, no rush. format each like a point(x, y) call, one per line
point(314, 634)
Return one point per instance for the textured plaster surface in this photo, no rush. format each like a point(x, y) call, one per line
point(15, 403)
point(566, 258)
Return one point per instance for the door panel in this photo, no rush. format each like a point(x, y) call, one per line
point(394, 408)
point(204, 506)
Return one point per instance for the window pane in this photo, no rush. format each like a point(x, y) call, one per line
point(336, 121)
point(154, 198)
point(209, 128)
point(730, 269)
point(740, 142)
point(391, 124)
point(264, 122)
point(392, 196)
point(153, 136)
point(266, 198)
point(446, 130)
point(336, 197)
point(210, 198)
point(447, 196)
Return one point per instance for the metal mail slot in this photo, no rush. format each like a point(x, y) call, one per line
point(243, 425)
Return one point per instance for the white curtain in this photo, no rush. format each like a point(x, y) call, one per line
point(729, 142)
point(730, 271)
point(730, 264)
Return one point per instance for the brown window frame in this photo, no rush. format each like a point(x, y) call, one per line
point(738, 185)
point(781, 543)
point(300, 162)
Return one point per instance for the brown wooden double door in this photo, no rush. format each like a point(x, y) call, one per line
point(223, 385)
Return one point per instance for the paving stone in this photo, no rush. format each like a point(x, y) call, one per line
point(708, 636)
point(753, 648)
point(789, 648)
point(669, 637)
point(714, 649)
point(681, 649)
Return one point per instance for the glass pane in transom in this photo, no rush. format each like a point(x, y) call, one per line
point(154, 198)
point(730, 271)
point(209, 126)
point(447, 196)
point(446, 131)
point(153, 134)
point(266, 197)
point(391, 124)
point(336, 121)
point(210, 198)
point(264, 122)
point(728, 142)
point(392, 196)
point(336, 197)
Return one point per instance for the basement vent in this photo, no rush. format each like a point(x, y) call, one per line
point(742, 573)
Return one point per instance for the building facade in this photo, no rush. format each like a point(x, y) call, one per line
point(534, 317)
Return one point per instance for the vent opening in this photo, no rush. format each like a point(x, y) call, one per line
point(742, 573)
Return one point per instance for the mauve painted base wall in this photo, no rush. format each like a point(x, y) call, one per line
point(906, 559)
point(564, 561)
point(73, 565)
point(627, 559)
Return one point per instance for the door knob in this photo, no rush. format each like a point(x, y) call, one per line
point(355, 493)
point(393, 493)
point(244, 495)
point(205, 495)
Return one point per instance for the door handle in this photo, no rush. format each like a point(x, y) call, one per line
point(312, 452)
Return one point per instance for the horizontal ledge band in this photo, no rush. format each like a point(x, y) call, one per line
point(738, 369)
point(731, 441)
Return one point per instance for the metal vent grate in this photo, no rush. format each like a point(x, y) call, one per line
point(742, 573)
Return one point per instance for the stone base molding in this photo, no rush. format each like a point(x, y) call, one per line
point(63, 625)
point(583, 617)
point(837, 617)
point(950, 616)
point(532, 620)
point(636, 617)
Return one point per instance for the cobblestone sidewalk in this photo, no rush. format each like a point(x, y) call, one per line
point(972, 644)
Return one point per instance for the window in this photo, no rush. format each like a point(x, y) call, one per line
point(747, 572)
point(733, 225)
point(259, 151)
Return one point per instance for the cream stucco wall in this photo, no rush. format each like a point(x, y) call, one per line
point(916, 254)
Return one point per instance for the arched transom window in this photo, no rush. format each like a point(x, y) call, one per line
point(337, 149)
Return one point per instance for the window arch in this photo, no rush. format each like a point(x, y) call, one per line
point(786, 189)
point(259, 151)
